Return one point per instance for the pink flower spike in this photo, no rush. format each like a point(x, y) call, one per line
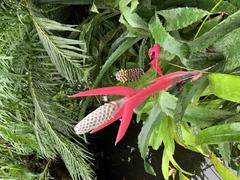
point(110, 121)
point(153, 54)
point(116, 90)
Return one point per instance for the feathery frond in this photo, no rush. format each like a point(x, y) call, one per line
point(68, 55)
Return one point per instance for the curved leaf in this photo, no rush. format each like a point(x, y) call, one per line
point(179, 18)
point(162, 37)
point(224, 172)
point(219, 134)
point(185, 98)
point(229, 45)
point(209, 38)
point(154, 119)
point(225, 86)
point(131, 19)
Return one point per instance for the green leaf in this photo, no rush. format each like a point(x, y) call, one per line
point(186, 96)
point(202, 60)
point(209, 24)
point(204, 116)
point(149, 169)
point(165, 165)
point(131, 19)
point(209, 38)
point(52, 143)
point(179, 18)
point(182, 176)
point(64, 54)
point(162, 37)
point(156, 138)
point(195, 114)
point(169, 144)
point(223, 171)
point(226, 7)
point(219, 134)
point(155, 117)
point(225, 151)
point(229, 45)
point(225, 86)
point(81, 2)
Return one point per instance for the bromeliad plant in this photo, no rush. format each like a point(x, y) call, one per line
point(192, 37)
point(43, 60)
point(123, 108)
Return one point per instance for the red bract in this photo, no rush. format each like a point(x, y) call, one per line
point(153, 54)
point(134, 97)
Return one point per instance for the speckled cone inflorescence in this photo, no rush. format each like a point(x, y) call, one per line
point(97, 117)
point(125, 75)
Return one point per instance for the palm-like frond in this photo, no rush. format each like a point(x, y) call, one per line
point(68, 55)
point(53, 142)
point(33, 62)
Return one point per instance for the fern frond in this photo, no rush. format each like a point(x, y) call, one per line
point(76, 160)
point(68, 55)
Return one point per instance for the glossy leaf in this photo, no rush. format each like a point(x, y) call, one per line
point(179, 18)
point(225, 86)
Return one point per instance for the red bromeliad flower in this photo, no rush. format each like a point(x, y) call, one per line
point(153, 54)
point(123, 108)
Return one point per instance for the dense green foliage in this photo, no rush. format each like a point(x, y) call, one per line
point(43, 59)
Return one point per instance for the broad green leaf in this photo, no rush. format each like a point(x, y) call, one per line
point(209, 38)
point(197, 115)
point(155, 117)
point(202, 60)
point(204, 116)
point(223, 171)
point(219, 134)
point(179, 18)
point(167, 103)
point(225, 86)
point(229, 45)
point(166, 41)
point(186, 96)
point(131, 19)
point(156, 138)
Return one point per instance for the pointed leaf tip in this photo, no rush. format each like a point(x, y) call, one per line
point(126, 119)
point(116, 90)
